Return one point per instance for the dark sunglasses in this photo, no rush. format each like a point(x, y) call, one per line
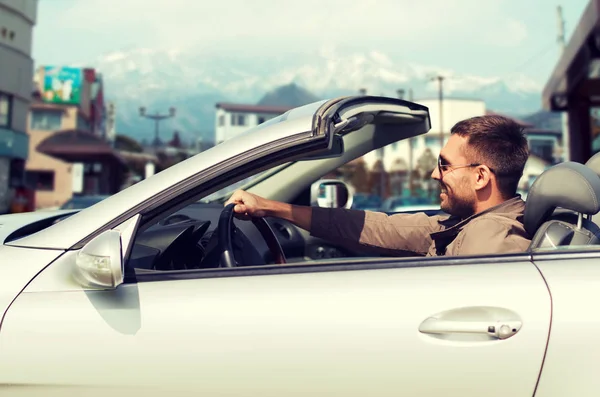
point(443, 166)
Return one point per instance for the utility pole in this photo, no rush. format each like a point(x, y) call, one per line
point(157, 119)
point(440, 80)
point(411, 141)
point(410, 149)
point(565, 114)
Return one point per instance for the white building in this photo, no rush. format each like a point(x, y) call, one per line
point(233, 119)
point(17, 18)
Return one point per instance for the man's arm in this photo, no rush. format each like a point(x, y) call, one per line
point(375, 230)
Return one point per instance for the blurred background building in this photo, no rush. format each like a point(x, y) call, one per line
point(17, 19)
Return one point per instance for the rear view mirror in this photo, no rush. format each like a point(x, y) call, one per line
point(99, 264)
point(330, 193)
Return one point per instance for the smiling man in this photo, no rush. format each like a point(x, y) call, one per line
point(478, 171)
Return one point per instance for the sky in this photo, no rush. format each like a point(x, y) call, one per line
point(483, 37)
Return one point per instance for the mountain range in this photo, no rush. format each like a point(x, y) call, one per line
point(194, 83)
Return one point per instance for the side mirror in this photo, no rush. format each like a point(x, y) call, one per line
point(99, 264)
point(330, 193)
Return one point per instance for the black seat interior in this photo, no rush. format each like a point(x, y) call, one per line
point(559, 206)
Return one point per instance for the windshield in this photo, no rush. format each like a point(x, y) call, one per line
point(224, 193)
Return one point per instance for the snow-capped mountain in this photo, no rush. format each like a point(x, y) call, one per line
point(193, 83)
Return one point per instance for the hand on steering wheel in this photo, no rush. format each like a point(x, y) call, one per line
point(225, 242)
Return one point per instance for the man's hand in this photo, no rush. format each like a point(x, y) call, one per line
point(248, 205)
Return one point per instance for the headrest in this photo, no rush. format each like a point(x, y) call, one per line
point(594, 163)
point(569, 185)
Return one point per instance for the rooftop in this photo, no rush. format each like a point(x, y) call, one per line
point(244, 108)
point(518, 121)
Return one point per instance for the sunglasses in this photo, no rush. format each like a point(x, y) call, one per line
point(443, 165)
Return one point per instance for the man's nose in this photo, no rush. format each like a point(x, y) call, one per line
point(435, 174)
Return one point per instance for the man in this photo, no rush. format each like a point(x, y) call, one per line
point(478, 172)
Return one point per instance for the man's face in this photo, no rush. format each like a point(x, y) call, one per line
point(455, 176)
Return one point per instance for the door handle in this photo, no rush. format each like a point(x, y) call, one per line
point(498, 329)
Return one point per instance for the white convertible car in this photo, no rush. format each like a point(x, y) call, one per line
point(159, 290)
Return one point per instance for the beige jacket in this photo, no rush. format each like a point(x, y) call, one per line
point(494, 231)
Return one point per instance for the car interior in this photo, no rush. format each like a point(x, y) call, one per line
point(558, 215)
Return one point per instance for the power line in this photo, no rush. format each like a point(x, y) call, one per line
point(530, 61)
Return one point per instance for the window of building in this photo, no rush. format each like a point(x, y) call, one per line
point(431, 141)
point(40, 180)
point(46, 120)
point(434, 141)
point(543, 148)
point(414, 143)
point(11, 35)
point(261, 119)
point(221, 120)
point(5, 110)
point(394, 146)
point(238, 119)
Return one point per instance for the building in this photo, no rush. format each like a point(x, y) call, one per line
point(233, 119)
point(17, 19)
point(574, 85)
point(69, 151)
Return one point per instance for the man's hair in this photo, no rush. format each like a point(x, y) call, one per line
point(499, 143)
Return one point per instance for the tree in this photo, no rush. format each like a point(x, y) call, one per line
point(176, 140)
point(128, 144)
point(360, 177)
point(425, 164)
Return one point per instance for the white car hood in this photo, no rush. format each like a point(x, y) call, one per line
point(13, 222)
point(18, 266)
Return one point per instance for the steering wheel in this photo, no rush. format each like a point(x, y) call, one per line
point(226, 246)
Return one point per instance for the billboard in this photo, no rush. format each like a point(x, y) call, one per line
point(62, 85)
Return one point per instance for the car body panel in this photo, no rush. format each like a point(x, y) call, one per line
point(11, 223)
point(571, 364)
point(351, 332)
point(18, 266)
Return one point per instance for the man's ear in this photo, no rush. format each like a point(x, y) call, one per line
point(483, 177)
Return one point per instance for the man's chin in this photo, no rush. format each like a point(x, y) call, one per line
point(445, 207)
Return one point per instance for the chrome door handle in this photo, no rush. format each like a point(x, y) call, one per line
point(498, 329)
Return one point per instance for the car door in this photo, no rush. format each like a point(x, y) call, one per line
point(573, 277)
point(368, 327)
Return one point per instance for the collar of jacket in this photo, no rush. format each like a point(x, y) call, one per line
point(453, 224)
